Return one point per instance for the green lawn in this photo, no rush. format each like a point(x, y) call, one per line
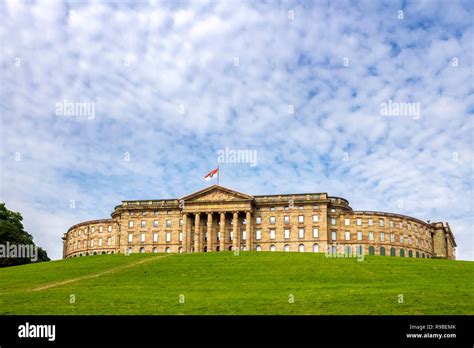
point(251, 283)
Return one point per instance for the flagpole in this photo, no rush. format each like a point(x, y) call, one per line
point(218, 172)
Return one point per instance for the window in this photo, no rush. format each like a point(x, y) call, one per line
point(286, 219)
point(168, 250)
point(333, 235)
point(85, 244)
point(382, 251)
point(381, 222)
point(359, 222)
point(333, 210)
point(382, 236)
point(79, 233)
point(155, 223)
point(347, 222)
point(155, 213)
point(287, 248)
point(168, 223)
point(109, 241)
point(392, 237)
point(168, 236)
point(315, 248)
point(258, 220)
point(218, 235)
point(400, 225)
point(155, 250)
point(300, 207)
point(143, 223)
point(92, 242)
point(359, 235)
point(315, 218)
point(272, 208)
point(333, 221)
point(410, 253)
point(315, 233)
point(401, 239)
point(371, 250)
point(287, 233)
point(180, 222)
point(300, 233)
point(301, 219)
point(408, 226)
point(272, 247)
point(371, 235)
point(180, 250)
point(100, 241)
point(101, 229)
point(155, 237)
point(272, 220)
point(180, 236)
point(231, 235)
point(347, 235)
point(392, 251)
point(110, 228)
point(142, 237)
point(92, 229)
point(85, 230)
point(130, 224)
point(258, 248)
point(258, 234)
point(402, 252)
point(301, 248)
point(143, 213)
point(286, 208)
point(315, 206)
point(360, 250)
point(370, 222)
point(168, 212)
point(129, 250)
point(130, 237)
point(409, 240)
point(131, 213)
point(390, 223)
point(272, 234)
point(244, 235)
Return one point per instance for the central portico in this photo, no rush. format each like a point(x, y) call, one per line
point(217, 218)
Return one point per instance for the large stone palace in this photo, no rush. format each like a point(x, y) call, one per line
point(217, 219)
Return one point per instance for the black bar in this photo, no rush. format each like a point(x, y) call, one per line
point(222, 330)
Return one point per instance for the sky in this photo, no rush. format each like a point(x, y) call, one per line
point(107, 101)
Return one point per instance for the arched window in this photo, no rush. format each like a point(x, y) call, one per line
point(287, 247)
point(402, 252)
point(301, 248)
point(410, 253)
point(112, 252)
point(155, 250)
point(272, 247)
point(103, 253)
point(423, 255)
point(230, 247)
point(371, 250)
point(168, 250)
point(382, 251)
point(258, 248)
point(142, 250)
point(95, 253)
point(316, 248)
point(417, 254)
point(205, 249)
point(218, 248)
point(180, 250)
point(80, 254)
point(392, 251)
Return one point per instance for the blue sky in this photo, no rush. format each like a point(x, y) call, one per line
point(173, 83)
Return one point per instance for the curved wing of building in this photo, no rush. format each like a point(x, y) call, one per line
point(217, 218)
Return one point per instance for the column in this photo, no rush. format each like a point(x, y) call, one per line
point(197, 232)
point(248, 230)
point(222, 232)
point(210, 232)
point(185, 233)
point(235, 228)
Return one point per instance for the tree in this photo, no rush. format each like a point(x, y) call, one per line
point(13, 235)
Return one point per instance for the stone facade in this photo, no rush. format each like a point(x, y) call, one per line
point(217, 218)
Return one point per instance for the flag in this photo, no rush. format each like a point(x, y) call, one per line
point(211, 174)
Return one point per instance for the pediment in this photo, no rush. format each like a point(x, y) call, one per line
point(216, 193)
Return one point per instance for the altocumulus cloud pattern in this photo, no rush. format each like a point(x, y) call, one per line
point(107, 101)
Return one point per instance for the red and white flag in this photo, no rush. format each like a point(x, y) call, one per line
point(211, 174)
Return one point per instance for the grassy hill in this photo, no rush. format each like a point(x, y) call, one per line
point(251, 283)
